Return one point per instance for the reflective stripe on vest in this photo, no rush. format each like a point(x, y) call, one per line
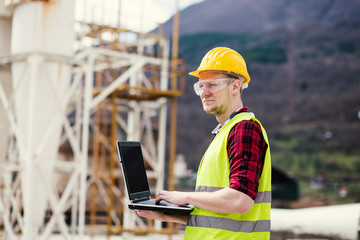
point(261, 197)
point(229, 224)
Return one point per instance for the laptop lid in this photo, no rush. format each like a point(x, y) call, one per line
point(136, 182)
point(134, 171)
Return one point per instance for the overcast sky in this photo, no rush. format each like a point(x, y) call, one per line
point(138, 15)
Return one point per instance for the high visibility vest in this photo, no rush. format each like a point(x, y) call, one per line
point(213, 175)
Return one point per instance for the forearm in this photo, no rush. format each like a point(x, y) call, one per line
point(223, 201)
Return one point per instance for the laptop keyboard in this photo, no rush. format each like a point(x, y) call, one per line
point(161, 203)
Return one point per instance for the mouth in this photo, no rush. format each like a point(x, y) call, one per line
point(207, 101)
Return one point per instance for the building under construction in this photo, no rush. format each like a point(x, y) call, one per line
point(66, 96)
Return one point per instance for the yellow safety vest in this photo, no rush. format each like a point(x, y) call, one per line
point(213, 175)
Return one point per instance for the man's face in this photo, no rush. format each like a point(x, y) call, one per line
point(215, 99)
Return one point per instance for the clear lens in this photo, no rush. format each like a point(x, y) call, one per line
point(211, 86)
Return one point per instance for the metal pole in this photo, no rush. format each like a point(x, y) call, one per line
point(112, 158)
point(30, 228)
point(174, 66)
point(85, 140)
point(95, 158)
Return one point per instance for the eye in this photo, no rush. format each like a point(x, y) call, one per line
point(213, 85)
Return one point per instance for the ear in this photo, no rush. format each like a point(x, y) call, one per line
point(236, 87)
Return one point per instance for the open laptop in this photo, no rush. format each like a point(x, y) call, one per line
point(136, 181)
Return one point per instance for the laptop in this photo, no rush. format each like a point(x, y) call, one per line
point(136, 181)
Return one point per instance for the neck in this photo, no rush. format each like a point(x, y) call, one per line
point(221, 118)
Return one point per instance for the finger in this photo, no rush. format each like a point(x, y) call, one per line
point(158, 199)
point(160, 196)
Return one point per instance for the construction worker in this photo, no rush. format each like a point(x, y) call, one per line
point(232, 198)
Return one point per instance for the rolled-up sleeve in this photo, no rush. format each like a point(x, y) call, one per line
point(246, 150)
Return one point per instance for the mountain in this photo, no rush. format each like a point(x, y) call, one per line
point(247, 16)
point(304, 61)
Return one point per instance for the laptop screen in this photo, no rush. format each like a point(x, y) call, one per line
point(134, 169)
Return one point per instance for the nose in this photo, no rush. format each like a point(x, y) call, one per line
point(204, 92)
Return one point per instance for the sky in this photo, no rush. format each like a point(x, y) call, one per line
point(137, 15)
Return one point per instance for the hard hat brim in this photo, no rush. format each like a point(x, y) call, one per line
point(194, 73)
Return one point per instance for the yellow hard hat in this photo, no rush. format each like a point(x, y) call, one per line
point(223, 59)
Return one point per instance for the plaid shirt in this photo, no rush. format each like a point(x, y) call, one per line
point(246, 150)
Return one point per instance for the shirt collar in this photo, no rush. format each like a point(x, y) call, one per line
point(219, 126)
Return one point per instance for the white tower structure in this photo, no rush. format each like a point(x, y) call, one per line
point(39, 29)
point(5, 83)
point(61, 113)
point(5, 74)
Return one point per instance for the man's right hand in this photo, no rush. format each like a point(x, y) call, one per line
point(152, 215)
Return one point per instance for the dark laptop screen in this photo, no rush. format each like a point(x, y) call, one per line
point(134, 169)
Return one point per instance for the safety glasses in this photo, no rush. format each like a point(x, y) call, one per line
point(211, 86)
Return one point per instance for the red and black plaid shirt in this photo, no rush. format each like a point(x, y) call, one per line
point(246, 150)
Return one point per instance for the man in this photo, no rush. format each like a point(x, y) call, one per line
point(232, 199)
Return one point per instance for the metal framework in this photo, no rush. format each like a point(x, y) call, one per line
point(114, 94)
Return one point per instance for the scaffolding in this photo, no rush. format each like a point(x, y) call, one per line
point(119, 90)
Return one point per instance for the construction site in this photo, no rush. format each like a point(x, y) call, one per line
point(63, 110)
point(70, 87)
